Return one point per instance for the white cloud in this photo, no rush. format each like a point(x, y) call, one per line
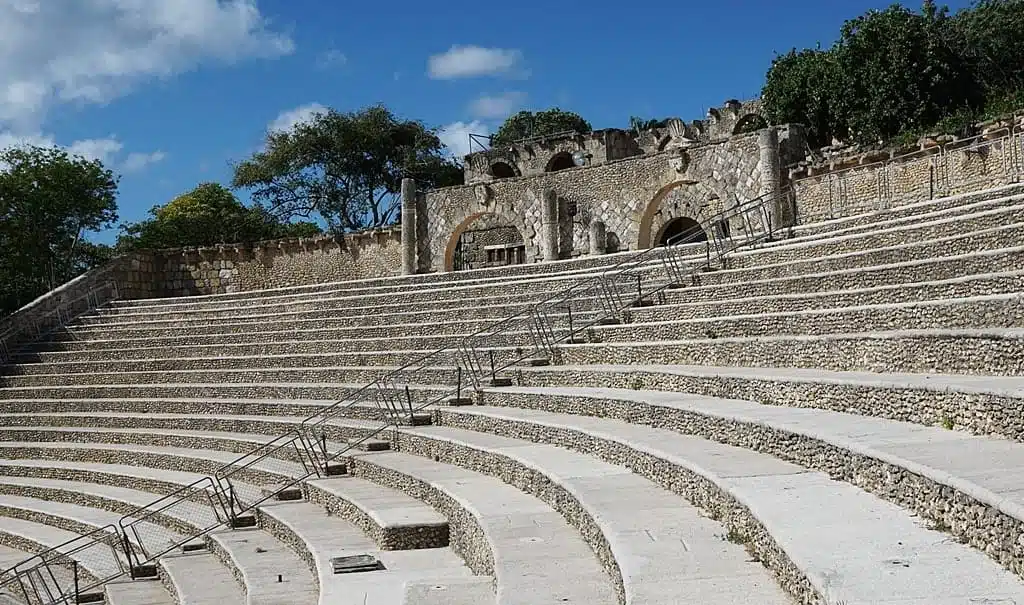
point(138, 161)
point(287, 120)
point(497, 106)
point(473, 61)
point(92, 149)
point(95, 51)
point(332, 59)
point(455, 136)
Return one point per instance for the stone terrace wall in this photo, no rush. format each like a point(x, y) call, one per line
point(941, 166)
point(271, 264)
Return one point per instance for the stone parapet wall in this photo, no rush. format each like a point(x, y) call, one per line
point(270, 264)
point(852, 184)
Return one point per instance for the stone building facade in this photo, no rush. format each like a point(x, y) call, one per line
point(609, 190)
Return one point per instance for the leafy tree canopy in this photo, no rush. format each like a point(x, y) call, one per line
point(346, 167)
point(897, 72)
point(528, 124)
point(209, 214)
point(49, 201)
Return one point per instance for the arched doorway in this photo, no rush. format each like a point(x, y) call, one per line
point(485, 239)
point(681, 230)
point(501, 170)
point(560, 161)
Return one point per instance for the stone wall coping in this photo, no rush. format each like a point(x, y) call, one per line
point(320, 241)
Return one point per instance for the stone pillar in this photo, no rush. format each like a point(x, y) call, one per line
point(771, 174)
point(408, 226)
point(549, 225)
point(598, 238)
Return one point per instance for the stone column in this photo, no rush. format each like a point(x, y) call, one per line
point(408, 226)
point(771, 173)
point(549, 225)
point(598, 238)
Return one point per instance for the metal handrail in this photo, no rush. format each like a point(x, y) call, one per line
point(387, 391)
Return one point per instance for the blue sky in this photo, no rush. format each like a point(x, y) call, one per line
point(168, 92)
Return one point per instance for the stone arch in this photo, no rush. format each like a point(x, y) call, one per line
point(680, 230)
point(690, 199)
point(560, 161)
point(455, 238)
point(750, 123)
point(502, 170)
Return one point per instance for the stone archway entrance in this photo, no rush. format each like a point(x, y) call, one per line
point(484, 239)
point(674, 210)
point(680, 230)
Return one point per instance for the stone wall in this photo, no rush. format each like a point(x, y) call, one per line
point(485, 232)
point(262, 265)
point(625, 195)
point(939, 166)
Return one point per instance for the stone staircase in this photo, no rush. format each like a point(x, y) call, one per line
point(834, 417)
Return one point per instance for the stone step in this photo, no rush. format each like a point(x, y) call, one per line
point(265, 569)
point(979, 312)
point(928, 269)
point(78, 518)
point(68, 412)
point(758, 269)
point(922, 230)
point(533, 554)
point(120, 500)
point(421, 394)
point(160, 481)
point(657, 548)
point(793, 519)
point(392, 519)
point(212, 332)
point(997, 352)
point(987, 405)
point(1006, 282)
point(259, 373)
point(99, 562)
point(293, 354)
point(319, 537)
point(203, 461)
point(137, 592)
point(199, 579)
point(547, 270)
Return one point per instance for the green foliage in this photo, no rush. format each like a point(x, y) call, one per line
point(640, 124)
point(528, 124)
point(209, 214)
point(49, 201)
point(896, 74)
point(346, 167)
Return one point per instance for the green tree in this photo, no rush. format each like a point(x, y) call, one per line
point(528, 124)
point(346, 167)
point(49, 202)
point(988, 35)
point(805, 87)
point(209, 214)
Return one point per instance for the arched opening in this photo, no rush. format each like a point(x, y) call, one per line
point(501, 170)
point(560, 161)
point(681, 230)
point(485, 240)
point(750, 123)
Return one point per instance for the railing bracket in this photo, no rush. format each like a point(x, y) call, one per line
point(242, 522)
point(143, 571)
point(335, 470)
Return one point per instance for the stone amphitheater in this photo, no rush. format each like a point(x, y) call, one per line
point(820, 409)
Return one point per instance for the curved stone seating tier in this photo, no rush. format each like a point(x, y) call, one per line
point(834, 417)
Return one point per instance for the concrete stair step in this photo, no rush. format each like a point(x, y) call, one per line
point(956, 351)
point(137, 592)
point(320, 537)
point(670, 553)
point(1005, 282)
point(200, 579)
point(796, 518)
point(534, 555)
point(265, 569)
point(98, 562)
point(973, 312)
point(394, 520)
